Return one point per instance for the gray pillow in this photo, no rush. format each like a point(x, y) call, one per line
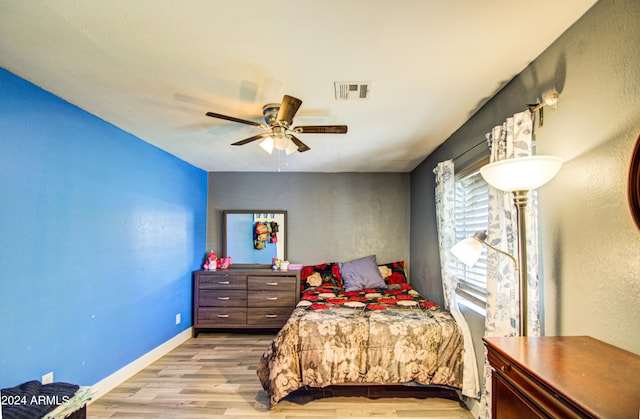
point(362, 274)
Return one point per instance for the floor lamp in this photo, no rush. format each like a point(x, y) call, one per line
point(518, 175)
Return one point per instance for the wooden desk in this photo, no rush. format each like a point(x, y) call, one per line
point(562, 376)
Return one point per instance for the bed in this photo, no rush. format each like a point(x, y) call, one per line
point(341, 334)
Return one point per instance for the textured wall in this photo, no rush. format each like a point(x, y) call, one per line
point(590, 246)
point(99, 234)
point(331, 216)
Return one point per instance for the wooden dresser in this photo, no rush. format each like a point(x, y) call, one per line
point(562, 377)
point(243, 298)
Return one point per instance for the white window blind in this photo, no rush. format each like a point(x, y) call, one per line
point(472, 213)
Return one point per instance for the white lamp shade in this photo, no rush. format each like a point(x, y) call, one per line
point(267, 145)
point(467, 251)
point(521, 173)
point(291, 147)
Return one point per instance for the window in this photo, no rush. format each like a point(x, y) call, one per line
point(472, 214)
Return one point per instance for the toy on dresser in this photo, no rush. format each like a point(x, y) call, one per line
point(212, 262)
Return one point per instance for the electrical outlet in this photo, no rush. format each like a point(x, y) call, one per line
point(47, 378)
point(178, 318)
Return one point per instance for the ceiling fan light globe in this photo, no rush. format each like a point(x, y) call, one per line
point(267, 145)
point(280, 142)
point(291, 147)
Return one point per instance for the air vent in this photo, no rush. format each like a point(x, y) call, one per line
point(352, 90)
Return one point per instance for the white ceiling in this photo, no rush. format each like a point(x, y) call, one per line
point(155, 67)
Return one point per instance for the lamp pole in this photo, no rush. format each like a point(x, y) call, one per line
point(521, 175)
point(520, 199)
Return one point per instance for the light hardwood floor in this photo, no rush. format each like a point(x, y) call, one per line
point(214, 376)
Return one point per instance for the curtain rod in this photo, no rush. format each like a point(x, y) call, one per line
point(550, 99)
point(532, 108)
point(464, 152)
point(470, 149)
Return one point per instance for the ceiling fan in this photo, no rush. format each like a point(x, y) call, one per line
point(280, 135)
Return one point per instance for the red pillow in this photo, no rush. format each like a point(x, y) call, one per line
point(329, 274)
point(393, 273)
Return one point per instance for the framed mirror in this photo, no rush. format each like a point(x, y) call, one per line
point(634, 184)
point(254, 237)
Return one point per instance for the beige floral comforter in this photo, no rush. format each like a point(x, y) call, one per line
point(390, 336)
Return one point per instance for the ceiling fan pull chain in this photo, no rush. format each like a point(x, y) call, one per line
point(279, 153)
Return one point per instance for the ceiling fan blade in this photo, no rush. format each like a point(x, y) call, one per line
point(250, 139)
point(288, 109)
point(321, 129)
point(301, 146)
point(233, 119)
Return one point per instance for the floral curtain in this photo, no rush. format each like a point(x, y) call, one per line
point(511, 139)
point(445, 213)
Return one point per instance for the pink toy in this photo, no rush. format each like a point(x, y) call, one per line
point(224, 263)
point(211, 263)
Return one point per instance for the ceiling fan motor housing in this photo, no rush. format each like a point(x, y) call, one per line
point(270, 112)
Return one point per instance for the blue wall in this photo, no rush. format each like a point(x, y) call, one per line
point(99, 233)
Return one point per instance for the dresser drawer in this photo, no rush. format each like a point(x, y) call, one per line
point(271, 299)
point(218, 317)
point(243, 298)
point(268, 317)
point(521, 394)
point(512, 373)
point(500, 363)
point(222, 298)
point(222, 281)
point(279, 283)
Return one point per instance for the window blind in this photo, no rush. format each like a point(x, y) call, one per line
point(472, 214)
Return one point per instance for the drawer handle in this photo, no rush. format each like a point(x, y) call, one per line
point(271, 298)
point(223, 298)
point(270, 316)
point(223, 316)
point(223, 282)
point(505, 368)
point(272, 284)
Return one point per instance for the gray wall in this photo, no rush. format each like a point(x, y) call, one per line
point(331, 216)
point(591, 248)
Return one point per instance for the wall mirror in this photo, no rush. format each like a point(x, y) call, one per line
point(254, 237)
point(634, 184)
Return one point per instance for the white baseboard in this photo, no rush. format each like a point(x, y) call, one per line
point(473, 405)
point(107, 384)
